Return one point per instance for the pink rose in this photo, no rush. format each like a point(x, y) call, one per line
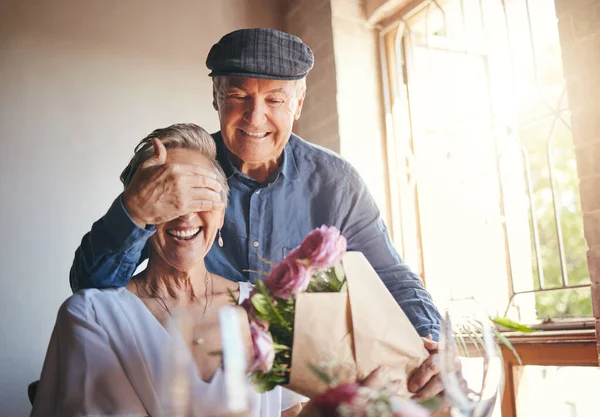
point(288, 278)
point(323, 247)
point(264, 351)
point(295, 254)
point(328, 402)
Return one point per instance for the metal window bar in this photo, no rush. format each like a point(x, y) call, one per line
point(403, 39)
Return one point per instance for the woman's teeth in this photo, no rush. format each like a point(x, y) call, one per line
point(184, 234)
point(255, 134)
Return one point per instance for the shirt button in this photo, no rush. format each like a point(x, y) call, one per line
point(257, 191)
point(255, 244)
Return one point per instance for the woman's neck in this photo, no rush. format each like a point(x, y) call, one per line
point(167, 282)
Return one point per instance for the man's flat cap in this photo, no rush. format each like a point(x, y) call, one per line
point(260, 53)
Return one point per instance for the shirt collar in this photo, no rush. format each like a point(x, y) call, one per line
point(223, 156)
point(288, 168)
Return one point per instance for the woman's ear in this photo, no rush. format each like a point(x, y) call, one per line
point(222, 220)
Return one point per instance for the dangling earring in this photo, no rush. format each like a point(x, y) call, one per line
point(220, 241)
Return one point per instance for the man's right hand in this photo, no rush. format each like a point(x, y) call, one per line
point(161, 191)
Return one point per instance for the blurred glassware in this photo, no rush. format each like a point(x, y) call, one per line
point(471, 365)
point(176, 390)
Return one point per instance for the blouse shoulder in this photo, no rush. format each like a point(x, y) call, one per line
point(245, 289)
point(82, 304)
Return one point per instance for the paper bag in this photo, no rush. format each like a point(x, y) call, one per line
point(354, 332)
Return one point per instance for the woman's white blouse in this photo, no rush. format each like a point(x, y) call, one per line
point(109, 356)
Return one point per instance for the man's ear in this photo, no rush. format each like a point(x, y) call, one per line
point(215, 104)
point(300, 103)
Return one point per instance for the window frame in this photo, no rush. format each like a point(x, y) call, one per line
point(395, 94)
point(570, 342)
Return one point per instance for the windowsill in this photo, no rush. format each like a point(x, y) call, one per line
point(564, 324)
point(545, 337)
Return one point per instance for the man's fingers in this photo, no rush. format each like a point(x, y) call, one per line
point(430, 344)
point(201, 182)
point(421, 376)
point(199, 194)
point(191, 169)
point(194, 176)
point(160, 154)
point(431, 389)
point(205, 205)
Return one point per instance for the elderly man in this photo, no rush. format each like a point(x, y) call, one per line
point(281, 188)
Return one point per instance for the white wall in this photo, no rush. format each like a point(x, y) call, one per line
point(81, 82)
point(359, 99)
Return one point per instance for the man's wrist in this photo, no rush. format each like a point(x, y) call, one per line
point(126, 235)
point(139, 222)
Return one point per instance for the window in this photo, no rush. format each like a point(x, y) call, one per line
point(484, 181)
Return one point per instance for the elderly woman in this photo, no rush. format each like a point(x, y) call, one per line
point(110, 352)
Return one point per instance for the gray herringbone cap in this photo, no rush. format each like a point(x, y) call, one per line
point(260, 53)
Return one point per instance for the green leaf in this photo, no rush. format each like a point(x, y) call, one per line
point(339, 272)
point(265, 261)
point(431, 404)
point(461, 341)
point(262, 383)
point(507, 343)
point(279, 348)
point(263, 273)
point(260, 303)
point(512, 325)
point(473, 336)
point(232, 297)
point(321, 374)
point(475, 330)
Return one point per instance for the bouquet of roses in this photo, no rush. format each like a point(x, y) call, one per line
point(314, 266)
point(322, 305)
point(353, 400)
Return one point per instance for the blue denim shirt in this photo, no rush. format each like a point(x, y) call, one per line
point(312, 187)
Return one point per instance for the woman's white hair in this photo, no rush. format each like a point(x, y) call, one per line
point(177, 136)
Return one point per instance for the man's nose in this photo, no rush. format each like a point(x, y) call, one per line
point(255, 114)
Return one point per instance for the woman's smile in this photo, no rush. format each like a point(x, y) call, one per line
point(184, 234)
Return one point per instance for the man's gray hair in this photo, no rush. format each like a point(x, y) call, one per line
point(177, 136)
point(218, 87)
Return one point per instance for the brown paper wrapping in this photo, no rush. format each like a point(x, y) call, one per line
point(354, 332)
